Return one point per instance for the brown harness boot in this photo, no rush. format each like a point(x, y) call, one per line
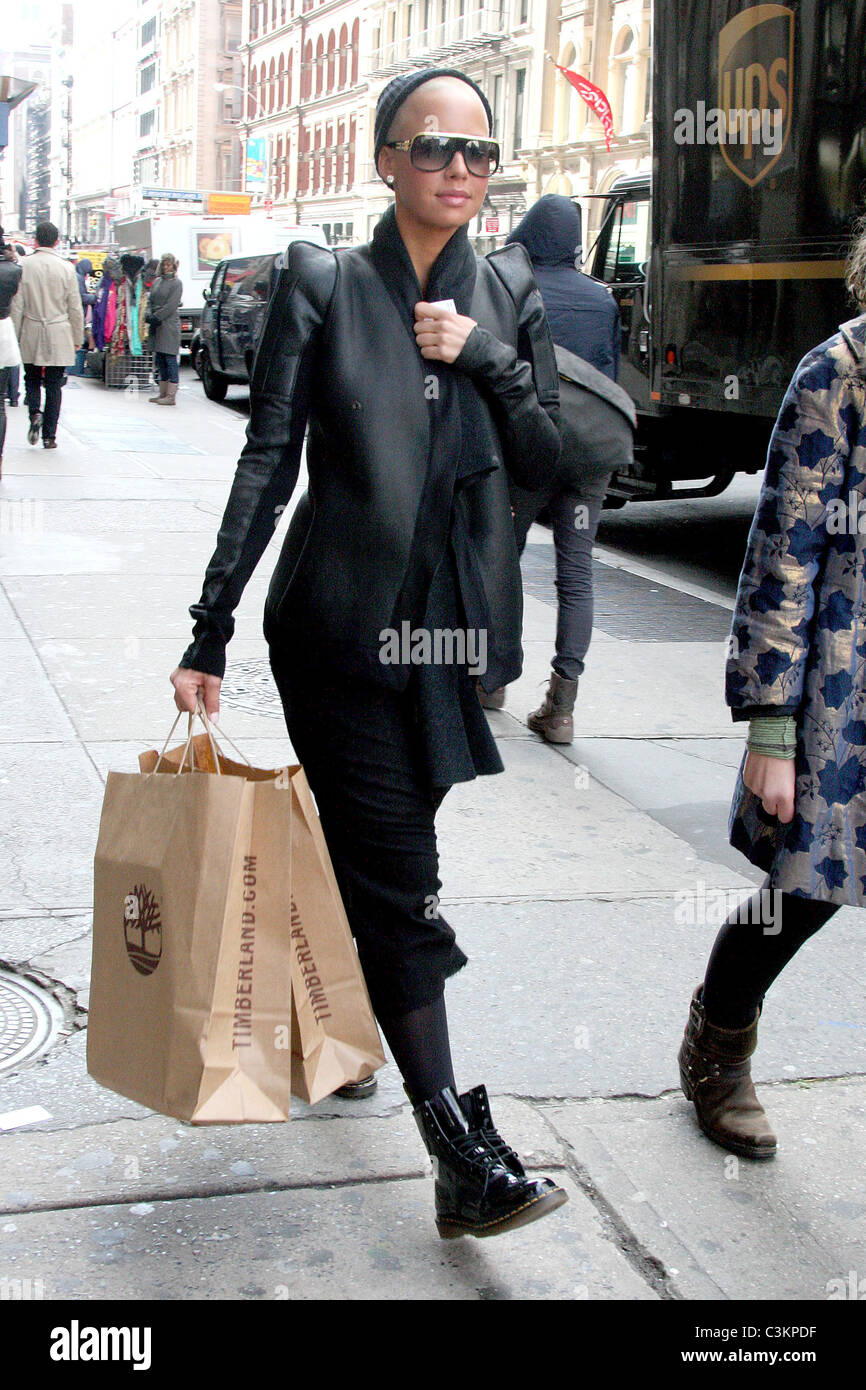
point(716, 1074)
point(553, 719)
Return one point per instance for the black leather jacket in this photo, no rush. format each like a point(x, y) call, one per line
point(334, 354)
point(10, 279)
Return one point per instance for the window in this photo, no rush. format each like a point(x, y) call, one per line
point(148, 78)
point(519, 85)
point(344, 43)
point(146, 122)
point(498, 84)
point(231, 32)
point(148, 32)
point(628, 246)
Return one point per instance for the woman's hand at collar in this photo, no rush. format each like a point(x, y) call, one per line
point(440, 333)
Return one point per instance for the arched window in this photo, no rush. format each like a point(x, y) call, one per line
point(320, 51)
point(354, 52)
point(344, 42)
point(307, 75)
point(281, 88)
point(565, 97)
point(332, 44)
point(289, 82)
point(623, 86)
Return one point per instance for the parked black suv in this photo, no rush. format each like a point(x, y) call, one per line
point(232, 320)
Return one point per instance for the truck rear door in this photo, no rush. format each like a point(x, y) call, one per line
point(621, 260)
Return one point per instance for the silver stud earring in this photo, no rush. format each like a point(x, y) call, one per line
point(389, 178)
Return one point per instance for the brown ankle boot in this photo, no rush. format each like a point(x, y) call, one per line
point(553, 718)
point(492, 699)
point(715, 1073)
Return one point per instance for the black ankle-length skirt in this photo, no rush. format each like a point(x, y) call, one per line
point(363, 753)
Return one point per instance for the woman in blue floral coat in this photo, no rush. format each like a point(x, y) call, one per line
point(797, 672)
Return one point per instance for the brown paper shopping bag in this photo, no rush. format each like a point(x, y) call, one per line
point(190, 1002)
point(334, 1035)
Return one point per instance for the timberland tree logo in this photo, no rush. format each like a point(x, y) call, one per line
point(142, 929)
point(756, 69)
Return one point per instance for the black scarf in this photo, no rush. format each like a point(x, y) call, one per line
point(459, 440)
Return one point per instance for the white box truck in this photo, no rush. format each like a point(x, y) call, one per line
point(200, 241)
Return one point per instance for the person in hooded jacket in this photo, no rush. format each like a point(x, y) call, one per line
point(584, 318)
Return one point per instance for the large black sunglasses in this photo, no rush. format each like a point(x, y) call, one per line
point(432, 151)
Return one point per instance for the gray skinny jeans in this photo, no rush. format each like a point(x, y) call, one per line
point(574, 517)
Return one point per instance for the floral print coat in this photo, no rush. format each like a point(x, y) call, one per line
point(798, 640)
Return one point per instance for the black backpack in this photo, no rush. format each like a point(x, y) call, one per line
point(597, 421)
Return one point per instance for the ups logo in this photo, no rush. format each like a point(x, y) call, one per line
point(756, 65)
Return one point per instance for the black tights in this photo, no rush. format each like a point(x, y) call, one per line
point(746, 959)
point(419, 1042)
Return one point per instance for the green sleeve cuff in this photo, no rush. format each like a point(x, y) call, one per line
point(772, 736)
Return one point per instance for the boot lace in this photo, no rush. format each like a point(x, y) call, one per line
point(497, 1145)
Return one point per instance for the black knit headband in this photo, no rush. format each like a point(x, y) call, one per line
point(391, 98)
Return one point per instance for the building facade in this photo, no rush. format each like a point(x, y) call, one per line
point(34, 170)
point(313, 70)
point(103, 126)
point(199, 146)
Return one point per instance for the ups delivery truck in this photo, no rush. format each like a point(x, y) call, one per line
point(728, 261)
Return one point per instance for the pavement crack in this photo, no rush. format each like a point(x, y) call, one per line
point(203, 1191)
point(646, 1265)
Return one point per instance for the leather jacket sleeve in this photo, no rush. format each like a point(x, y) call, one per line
point(522, 386)
point(10, 279)
point(268, 467)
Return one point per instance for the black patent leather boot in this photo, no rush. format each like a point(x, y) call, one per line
point(481, 1186)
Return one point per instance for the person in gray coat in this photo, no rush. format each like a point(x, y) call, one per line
point(163, 317)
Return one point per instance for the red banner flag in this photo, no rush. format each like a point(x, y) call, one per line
point(594, 98)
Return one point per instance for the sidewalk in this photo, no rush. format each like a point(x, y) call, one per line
point(582, 885)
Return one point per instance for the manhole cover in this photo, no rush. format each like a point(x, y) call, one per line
point(30, 1020)
point(249, 685)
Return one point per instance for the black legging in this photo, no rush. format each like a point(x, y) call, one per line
point(746, 959)
point(359, 748)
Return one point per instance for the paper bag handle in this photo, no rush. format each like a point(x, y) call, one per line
point(210, 727)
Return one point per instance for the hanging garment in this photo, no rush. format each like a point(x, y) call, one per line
point(135, 301)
